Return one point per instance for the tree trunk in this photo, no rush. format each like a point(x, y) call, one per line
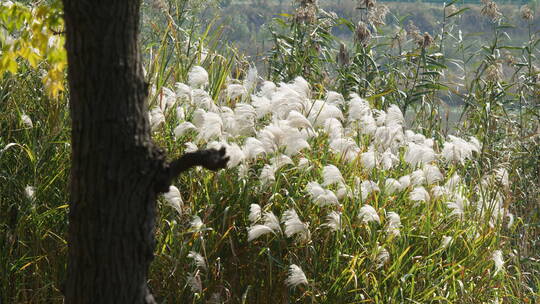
point(114, 163)
point(116, 171)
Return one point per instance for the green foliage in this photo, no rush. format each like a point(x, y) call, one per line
point(33, 35)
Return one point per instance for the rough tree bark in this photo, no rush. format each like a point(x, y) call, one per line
point(116, 172)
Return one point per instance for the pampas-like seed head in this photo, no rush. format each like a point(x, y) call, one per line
point(294, 226)
point(197, 77)
point(296, 276)
point(174, 199)
point(368, 214)
point(332, 175)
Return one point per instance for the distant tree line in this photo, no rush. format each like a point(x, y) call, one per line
point(461, 1)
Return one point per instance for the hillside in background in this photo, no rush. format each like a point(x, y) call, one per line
point(249, 30)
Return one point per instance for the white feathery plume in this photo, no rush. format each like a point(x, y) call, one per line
point(294, 226)
point(453, 182)
point(333, 128)
point(202, 99)
point(194, 281)
point(235, 90)
point(286, 99)
point(252, 148)
point(368, 159)
point(419, 194)
point(321, 196)
point(243, 171)
point(27, 121)
point(367, 187)
point(314, 189)
point(183, 92)
point(428, 142)
point(190, 147)
point(418, 177)
point(510, 217)
point(244, 118)
point(416, 138)
point(281, 160)
point(303, 163)
point(446, 242)
point(156, 118)
point(350, 131)
point(197, 77)
point(321, 111)
point(358, 108)
point(297, 120)
point(256, 231)
point(262, 105)
point(432, 174)
point(391, 186)
point(388, 160)
point(180, 113)
point(211, 128)
point(272, 137)
point(252, 77)
point(182, 128)
point(167, 99)
point(380, 117)
point(333, 221)
point(394, 116)
point(438, 191)
point(458, 150)
point(328, 198)
point(196, 223)
point(457, 205)
point(296, 277)
point(388, 137)
point(332, 175)
point(383, 256)
point(30, 192)
point(227, 117)
point(498, 259)
point(198, 117)
point(476, 146)
point(393, 224)
point(271, 220)
point(334, 98)
point(280, 133)
point(268, 89)
point(343, 192)
point(301, 86)
point(367, 125)
point(368, 214)
point(419, 154)
point(346, 146)
point(235, 154)
point(255, 213)
point(295, 142)
point(309, 133)
point(174, 199)
point(244, 111)
point(198, 259)
point(404, 181)
point(268, 175)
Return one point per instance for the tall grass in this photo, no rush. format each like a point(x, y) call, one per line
point(463, 230)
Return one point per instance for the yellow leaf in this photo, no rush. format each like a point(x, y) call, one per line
point(26, 265)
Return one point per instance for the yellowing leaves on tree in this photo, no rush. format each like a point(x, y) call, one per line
point(32, 35)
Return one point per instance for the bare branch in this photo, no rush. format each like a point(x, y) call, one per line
point(211, 159)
